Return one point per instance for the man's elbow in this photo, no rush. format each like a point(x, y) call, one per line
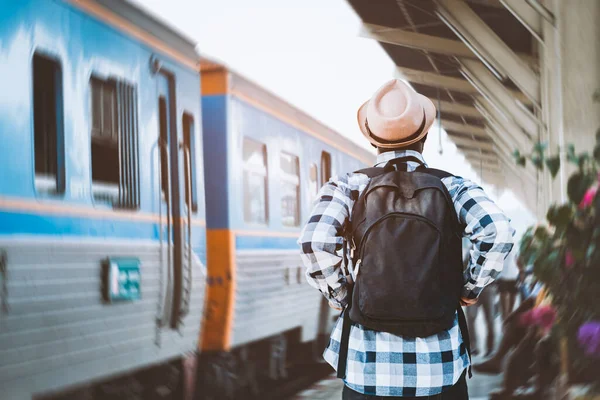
point(501, 231)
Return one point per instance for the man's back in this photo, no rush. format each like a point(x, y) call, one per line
point(381, 363)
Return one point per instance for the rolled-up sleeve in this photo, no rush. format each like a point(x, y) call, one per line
point(489, 230)
point(321, 241)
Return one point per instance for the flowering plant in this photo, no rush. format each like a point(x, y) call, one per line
point(543, 317)
point(565, 254)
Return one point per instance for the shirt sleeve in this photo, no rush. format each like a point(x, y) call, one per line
point(489, 230)
point(321, 241)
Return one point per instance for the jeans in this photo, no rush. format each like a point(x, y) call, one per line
point(457, 392)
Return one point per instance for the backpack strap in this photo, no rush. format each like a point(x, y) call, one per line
point(438, 173)
point(345, 339)
point(372, 171)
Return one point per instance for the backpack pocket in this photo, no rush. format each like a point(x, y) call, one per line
point(400, 275)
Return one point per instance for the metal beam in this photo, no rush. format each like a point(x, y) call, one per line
point(515, 169)
point(464, 128)
point(514, 135)
point(458, 109)
point(543, 11)
point(474, 148)
point(527, 16)
point(497, 170)
point(436, 80)
point(488, 47)
point(447, 82)
point(475, 154)
point(506, 152)
point(461, 141)
point(421, 41)
point(485, 163)
point(499, 96)
point(400, 37)
point(487, 3)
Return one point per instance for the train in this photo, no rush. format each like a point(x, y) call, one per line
point(150, 203)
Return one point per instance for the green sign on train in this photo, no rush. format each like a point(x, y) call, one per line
point(122, 279)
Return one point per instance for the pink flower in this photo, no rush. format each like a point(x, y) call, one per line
point(588, 197)
point(544, 317)
point(569, 259)
point(526, 319)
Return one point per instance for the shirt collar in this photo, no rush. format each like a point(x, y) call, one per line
point(410, 155)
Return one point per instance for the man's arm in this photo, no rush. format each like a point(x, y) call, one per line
point(321, 241)
point(489, 230)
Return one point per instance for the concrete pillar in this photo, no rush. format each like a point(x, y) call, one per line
point(570, 69)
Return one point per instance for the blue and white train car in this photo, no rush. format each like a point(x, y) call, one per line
point(266, 161)
point(102, 215)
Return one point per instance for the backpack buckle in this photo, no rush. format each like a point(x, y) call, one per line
point(352, 248)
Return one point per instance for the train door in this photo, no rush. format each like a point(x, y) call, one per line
point(174, 212)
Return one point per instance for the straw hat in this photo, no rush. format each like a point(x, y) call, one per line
point(396, 116)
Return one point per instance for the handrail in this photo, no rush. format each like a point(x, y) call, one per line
point(163, 314)
point(188, 168)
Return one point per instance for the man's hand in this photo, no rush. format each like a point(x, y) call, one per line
point(467, 302)
point(334, 306)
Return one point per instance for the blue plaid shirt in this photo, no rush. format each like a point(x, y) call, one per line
point(381, 363)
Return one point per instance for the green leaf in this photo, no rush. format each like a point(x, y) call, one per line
point(571, 157)
point(516, 155)
point(577, 186)
point(582, 159)
point(560, 216)
point(541, 233)
point(597, 153)
point(540, 147)
point(553, 164)
point(537, 160)
point(519, 159)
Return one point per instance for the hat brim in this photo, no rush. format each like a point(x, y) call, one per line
point(428, 109)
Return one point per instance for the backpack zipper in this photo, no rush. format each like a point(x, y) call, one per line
point(390, 215)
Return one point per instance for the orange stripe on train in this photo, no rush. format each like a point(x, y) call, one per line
point(220, 292)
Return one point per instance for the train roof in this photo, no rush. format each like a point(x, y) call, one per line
point(228, 81)
point(141, 24)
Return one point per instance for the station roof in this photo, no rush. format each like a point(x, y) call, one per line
point(477, 61)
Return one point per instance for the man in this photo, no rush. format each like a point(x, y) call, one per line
point(380, 364)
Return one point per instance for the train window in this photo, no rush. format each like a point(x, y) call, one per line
point(48, 124)
point(290, 189)
point(189, 141)
point(255, 182)
point(114, 143)
point(325, 167)
point(313, 179)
